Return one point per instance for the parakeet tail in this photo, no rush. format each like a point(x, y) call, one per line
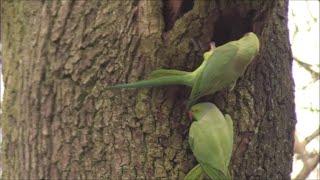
point(166, 72)
point(160, 78)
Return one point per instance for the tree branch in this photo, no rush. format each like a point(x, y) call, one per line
point(309, 165)
point(312, 136)
point(310, 159)
point(315, 75)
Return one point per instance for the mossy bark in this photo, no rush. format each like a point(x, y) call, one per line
point(60, 123)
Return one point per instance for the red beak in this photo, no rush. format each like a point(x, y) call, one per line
point(190, 115)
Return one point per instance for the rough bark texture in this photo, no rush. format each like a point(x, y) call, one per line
point(60, 122)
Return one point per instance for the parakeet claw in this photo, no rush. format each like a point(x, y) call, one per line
point(212, 45)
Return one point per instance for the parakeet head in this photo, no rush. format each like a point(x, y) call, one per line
point(250, 40)
point(200, 110)
point(248, 48)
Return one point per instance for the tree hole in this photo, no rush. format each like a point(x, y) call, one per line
point(232, 24)
point(173, 10)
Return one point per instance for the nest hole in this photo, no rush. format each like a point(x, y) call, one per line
point(231, 25)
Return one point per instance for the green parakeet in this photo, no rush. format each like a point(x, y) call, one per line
point(221, 67)
point(211, 141)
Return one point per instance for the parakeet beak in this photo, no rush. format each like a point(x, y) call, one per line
point(190, 115)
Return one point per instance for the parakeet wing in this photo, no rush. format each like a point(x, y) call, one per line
point(230, 137)
point(195, 174)
point(213, 173)
point(222, 128)
point(214, 75)
point(160, 78)
point(166, 72)
point(203, 149)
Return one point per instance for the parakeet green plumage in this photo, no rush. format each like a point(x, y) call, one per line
point(211, 141)
point(221, 67)
point(196, 173)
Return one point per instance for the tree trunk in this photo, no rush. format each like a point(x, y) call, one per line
point(60, 122)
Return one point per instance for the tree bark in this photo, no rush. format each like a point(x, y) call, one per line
point(60, 123)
